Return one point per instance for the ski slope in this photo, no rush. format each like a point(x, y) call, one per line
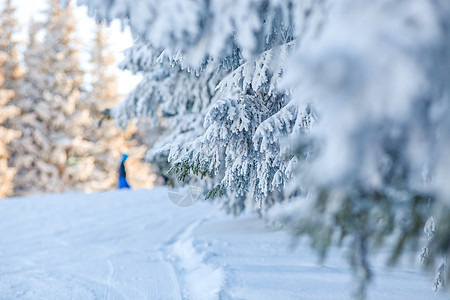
point(138, 245)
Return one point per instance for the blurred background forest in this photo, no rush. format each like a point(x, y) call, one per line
point(53, 90)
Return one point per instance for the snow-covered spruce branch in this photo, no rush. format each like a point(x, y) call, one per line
point(202, 29)
point(381, 143)
point(245, 143)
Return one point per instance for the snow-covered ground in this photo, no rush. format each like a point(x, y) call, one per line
point(138, 245)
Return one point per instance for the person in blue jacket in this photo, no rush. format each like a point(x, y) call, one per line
point(123, 184)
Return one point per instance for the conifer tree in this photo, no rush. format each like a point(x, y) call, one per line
point(227, 119)
point(9, 26)
point(6, 135)
point(50, 156)
point(9, 73)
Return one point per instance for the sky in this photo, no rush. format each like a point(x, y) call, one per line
point(118, 39)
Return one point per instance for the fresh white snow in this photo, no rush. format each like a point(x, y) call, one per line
point(138, 245)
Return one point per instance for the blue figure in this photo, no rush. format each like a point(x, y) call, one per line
point(123, 184)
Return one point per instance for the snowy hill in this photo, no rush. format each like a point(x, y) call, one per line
point(138, 245)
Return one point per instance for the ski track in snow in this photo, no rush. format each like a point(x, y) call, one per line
point(137, 245)
point(200, 279)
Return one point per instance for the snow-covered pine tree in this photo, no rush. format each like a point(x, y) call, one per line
point(184, 89)
point(9, 73)
point(23, 151)
point(378, 158)
point(7, 135)
point(174, 100)
point(51, 154)
point(9, 26)
point(245, 144)
point(106, 142)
